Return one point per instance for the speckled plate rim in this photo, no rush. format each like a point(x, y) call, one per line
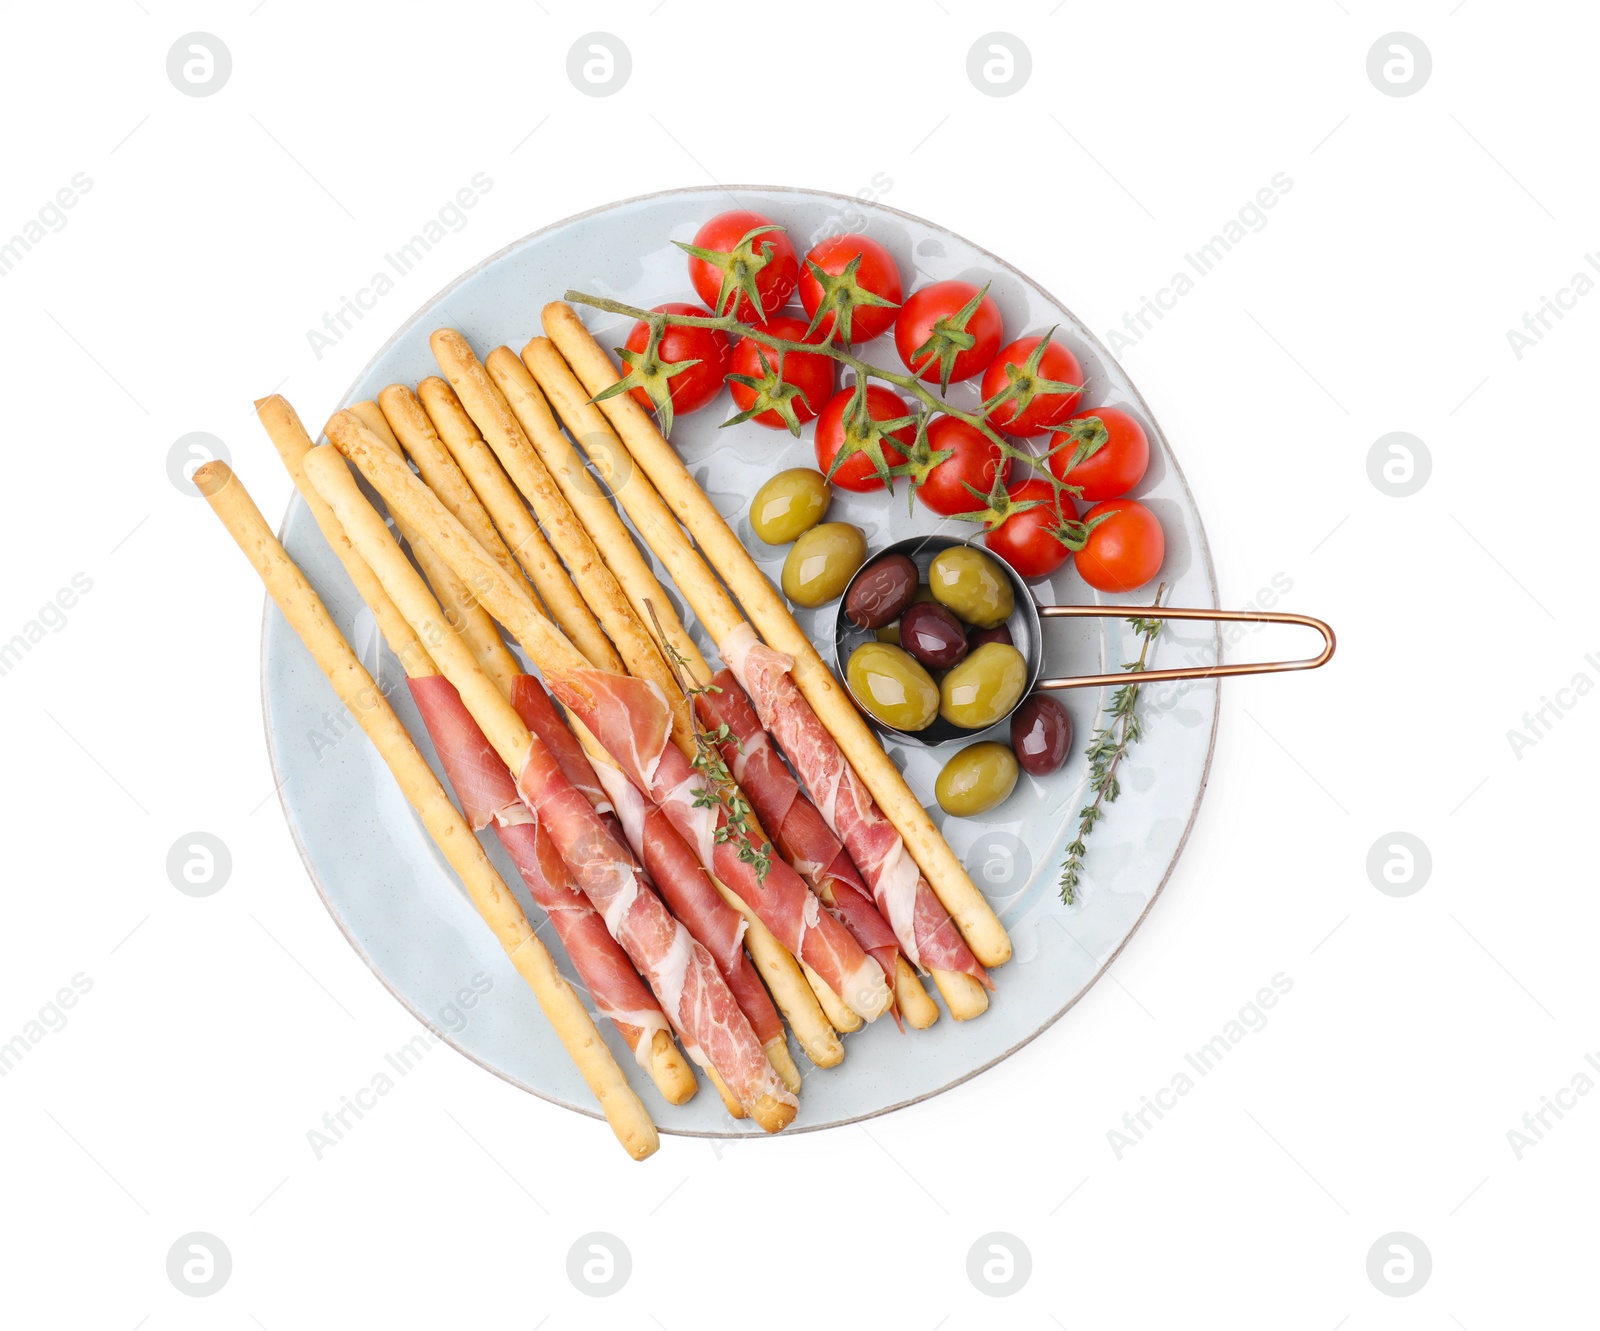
point(1211, 582)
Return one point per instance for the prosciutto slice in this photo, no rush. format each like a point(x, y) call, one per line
point(489, 798)
point(802, 834)
point(927, 934)
point(630, 717)
point(671, 865)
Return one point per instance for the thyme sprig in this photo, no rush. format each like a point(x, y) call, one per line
point(720, 790)
point(1105, 753)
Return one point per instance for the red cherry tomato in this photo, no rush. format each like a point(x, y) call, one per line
point(1027, 540)
point(811, 374)
point(857, 472)
point(1115, 467)
point(774, 280)
point(692, 388)
point(974, 461)
point(877, 274)
point(1125, 551)
point(919, 322)
point(1045, 410)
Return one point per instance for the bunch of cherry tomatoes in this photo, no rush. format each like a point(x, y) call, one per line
point(944, 332)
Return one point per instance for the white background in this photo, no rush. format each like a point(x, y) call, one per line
point(1419, 1030)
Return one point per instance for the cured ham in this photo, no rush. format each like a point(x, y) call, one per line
point(631, 719)
point(489, 797)
point(927, 934)
point(671, 865)
point(802, 834)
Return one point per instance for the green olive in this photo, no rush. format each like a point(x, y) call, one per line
point(821, 562)
point(890, 684)
point(984, 687)
point(889, 633)
point(789, 503)
point(972, 586)
point(976, 779)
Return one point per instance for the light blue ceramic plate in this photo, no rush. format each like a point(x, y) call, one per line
point(403, 911)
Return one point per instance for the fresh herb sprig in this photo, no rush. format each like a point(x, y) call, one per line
point(720, 790)
point(1106, 751)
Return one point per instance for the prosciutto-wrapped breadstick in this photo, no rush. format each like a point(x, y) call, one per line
point(956, 974)
point(672, 866)
point(494, 901)
point(804, 836)
point(797, 995)
point(653, 456)
point(681, 973)
point(632, 722)
point(489, 798)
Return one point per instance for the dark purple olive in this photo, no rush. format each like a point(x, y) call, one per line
point(932, 634)
point(1000, 633)
point(881, 592)
point(1041, 732)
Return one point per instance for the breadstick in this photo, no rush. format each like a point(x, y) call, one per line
point(498, 720)
point(715, 608)
point(461, 608)
point(841, 1016)
point(662, 1059)
point(651, 453)
point(596, 583)
point(493, 899)
point(511, 516)
point(289, 437)
point(594, 510)
point(919, 1011)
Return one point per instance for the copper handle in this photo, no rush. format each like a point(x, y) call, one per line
point(1188, 672)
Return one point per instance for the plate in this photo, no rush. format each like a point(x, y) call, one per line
point(388, 889)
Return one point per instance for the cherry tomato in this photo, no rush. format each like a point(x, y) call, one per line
point(1115, 467)
point(876, 274)
point(717, 283)
point(974, 461)
point(857, 472)
point(1027, 540)
point(811, 374)
point(934, 310)
point(1125, 551)
point(692, 388)
point(1046, 409)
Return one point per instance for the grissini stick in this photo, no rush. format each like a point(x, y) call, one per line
point(624, 714)
point(289, 437)
point(596, 583)
point(652, 454)
point(516, 524)
point(797, 999)
point(680, 972)
point(461, 608)
point(613, 985)
point(963, 993)
point(494, 901)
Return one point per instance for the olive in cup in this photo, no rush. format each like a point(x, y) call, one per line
point(984, 687)
point(890, 684)
point(789, 504)
point(883, 590)
point(979, 778)
point(972, 586)
point(822, 562)
point(933, 635)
